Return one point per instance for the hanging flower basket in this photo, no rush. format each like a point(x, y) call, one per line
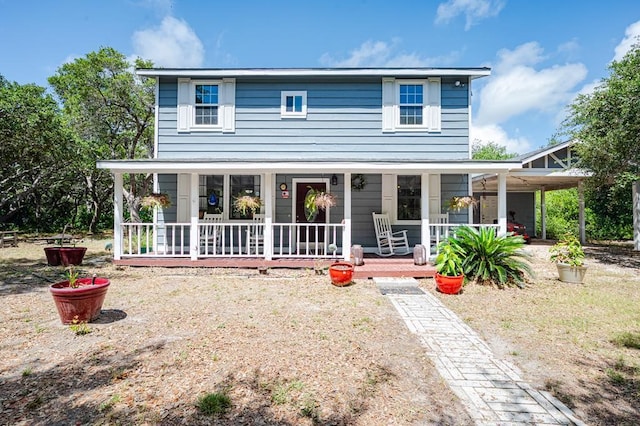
point(156, 200)
point(464, 202)
point(247, 203)
point(315, 200)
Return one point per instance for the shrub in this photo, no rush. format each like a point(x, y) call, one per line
point(214, 403)
point(491, 259)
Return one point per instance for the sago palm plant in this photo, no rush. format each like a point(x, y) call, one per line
point(490, 258)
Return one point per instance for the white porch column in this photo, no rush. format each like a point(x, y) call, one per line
point(346, 236)
point(268, 197)
point(583, 237)
point(543, 213)
point(194, 208)
point(117, 216)
point(502, 203)
point(636, 215)
point(425, 232)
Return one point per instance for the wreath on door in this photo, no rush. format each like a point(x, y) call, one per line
point(358, 182)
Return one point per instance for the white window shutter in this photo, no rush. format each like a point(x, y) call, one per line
point(183, 213)
point(389, 191)
point(433, 112)
point(435, 205)
point(388, 104)
point(228, 105)
point(184, 104)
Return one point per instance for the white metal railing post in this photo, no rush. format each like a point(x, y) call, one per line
point(267, 232)
point(346, 230)
point(117, 216)
point(194, 239)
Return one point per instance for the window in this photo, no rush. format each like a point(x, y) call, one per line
point(293, 104)
point(216, 192)
point(206, 105)
point(408, 198)
point(411, 105)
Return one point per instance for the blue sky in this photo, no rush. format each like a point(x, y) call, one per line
point(542, 53)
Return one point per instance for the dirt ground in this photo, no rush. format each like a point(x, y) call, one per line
point(287, 348)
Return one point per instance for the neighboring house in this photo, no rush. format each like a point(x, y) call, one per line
point(392, 140)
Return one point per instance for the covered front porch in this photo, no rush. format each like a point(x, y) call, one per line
point(279, 236)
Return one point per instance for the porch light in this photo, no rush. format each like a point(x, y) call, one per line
point(334, 179)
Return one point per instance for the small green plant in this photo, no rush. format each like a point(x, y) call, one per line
point(72, 276)
point(615, 376)
point(108, 405)
point(310, 409)
point(489, 258)
point(282, 392)
point(448, 262)
point(27, 372)
point(628, 340)
point(214, 403)
point(79, 327)
point(567, 250)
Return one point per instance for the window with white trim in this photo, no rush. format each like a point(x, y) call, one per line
point(402, 197)
point(217, 193)
point(411, 105)
point(206, 105)
point(293, 104)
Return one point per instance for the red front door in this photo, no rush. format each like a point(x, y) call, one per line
point(309, 234)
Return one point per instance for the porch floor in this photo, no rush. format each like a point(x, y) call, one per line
point(374, 266)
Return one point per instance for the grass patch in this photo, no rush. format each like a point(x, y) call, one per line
point(628, 340)
point(281, 393)
point(213, 404)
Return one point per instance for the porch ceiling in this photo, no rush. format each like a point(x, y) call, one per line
point(297, 166)
point(531, 180)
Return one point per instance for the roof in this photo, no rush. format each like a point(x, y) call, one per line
point(314, 72)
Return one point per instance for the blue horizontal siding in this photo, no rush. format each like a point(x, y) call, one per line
point(343, 117)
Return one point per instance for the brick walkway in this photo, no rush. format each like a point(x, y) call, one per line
point(491, 389)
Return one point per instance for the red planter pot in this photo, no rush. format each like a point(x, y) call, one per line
point(53, 255)
point(449, 285)
point(72, 255)
point(341, 273)
point(83, 303)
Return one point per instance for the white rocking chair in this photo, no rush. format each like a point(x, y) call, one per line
point(256, 234)
point(210, 233)
point(389, 242)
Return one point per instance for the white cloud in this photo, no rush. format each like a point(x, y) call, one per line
point(383, 54)
point(631, 37)
point(517, 88)
point(496, 134)
point(173, 44)
point(474, 10)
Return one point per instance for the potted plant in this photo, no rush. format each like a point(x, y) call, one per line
point(315, 200)
point(245, 204)
point(61, 255)
point(464, 202)
point(568, 256)
point(79, 299)
point(340, 272)
point(449, 273)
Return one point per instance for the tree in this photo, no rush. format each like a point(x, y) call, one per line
point(37, 180)
point(489, 151)
point(111, 112)
point(606, 126)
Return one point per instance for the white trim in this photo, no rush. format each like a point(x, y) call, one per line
point(315, 72)
point(294, 94)
point(255, 167)
point(431, 105)
point(156, 118)
point(186, 106)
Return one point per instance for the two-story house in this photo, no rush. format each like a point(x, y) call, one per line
point(391, 140)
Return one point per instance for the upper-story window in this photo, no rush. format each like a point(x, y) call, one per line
point(411, 105)
point(293, 104)
point(206, 105)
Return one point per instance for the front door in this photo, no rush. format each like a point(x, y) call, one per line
point(310, 238)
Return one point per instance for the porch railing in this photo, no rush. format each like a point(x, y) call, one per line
point(155, 240)
point(307, 240)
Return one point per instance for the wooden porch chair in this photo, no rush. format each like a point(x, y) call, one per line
point(210, 233)
point(389, 242)
point(256, 234)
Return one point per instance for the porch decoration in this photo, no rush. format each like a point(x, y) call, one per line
point(245, 204)
point(568, 255)
point(464, 202)
point(65, 256)
point(156, 199)
point(449, 273)
point(315, 200)
point(341, 273)
point(79, 300)
point(358, 182)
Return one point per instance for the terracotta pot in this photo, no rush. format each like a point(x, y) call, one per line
point(341, 273)
point(53, 255)
point(449, 285)
point(82, 303)
point(72, 255)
